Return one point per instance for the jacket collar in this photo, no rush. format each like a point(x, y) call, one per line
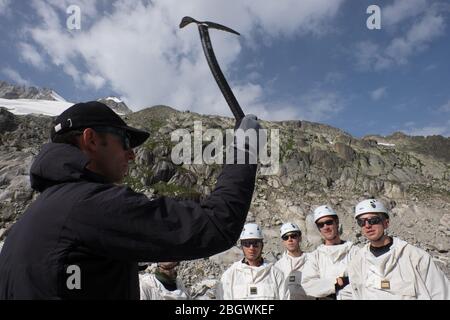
point(59, 163)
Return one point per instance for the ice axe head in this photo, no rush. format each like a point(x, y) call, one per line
point(187, 20)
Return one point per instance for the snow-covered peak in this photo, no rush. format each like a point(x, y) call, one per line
point(57, 97)
point(11, 91)
point(115, 99)
point(116, 104)
point(23, 100)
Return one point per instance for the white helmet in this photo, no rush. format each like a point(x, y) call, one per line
point(370, 206)
point(323, 211)
point(289, 227)
point(251, 231)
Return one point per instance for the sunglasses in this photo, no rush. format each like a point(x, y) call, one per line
point(321, 224)
point(294, 236)
point(371, 221)
point(249, 243)
point(122, 134)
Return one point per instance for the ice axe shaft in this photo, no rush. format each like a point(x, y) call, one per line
point(203, 27)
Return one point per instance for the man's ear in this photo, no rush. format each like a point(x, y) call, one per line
point(89, 140)
point(386, 223)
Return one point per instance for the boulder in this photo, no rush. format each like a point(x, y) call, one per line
point(344, 151)
point(8, 121)
point(162, 171)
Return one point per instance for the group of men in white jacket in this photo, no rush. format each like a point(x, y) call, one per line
point(385, 268)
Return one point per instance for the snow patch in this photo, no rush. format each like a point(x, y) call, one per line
point(33, 106)
point(115, 99)
point(386, 144)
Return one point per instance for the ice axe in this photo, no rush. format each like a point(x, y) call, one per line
point(203, 27)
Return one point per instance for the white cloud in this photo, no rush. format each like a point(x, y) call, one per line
point(4, 7)
point(139, 51)
point(370, 55)
point(379, 93)
point(14, 76)
point(290, 17)
point(417, 39)
point(30, 55)
point(445, 107)
point(421, 33)
point(93, 80)
point(401, 10)
point(253, 76)
point(319, 105)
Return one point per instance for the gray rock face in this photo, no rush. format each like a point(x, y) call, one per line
point(9, 91)
point(318, 165)
point(162, 171)
point(344, 151)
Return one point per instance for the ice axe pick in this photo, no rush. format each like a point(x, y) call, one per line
point(203, 27)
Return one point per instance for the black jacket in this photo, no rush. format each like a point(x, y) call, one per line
point(105, 229)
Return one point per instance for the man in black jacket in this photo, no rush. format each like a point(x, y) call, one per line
point(84, 235)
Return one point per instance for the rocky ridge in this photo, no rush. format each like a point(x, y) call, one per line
point(116, 104)
point(9, 91)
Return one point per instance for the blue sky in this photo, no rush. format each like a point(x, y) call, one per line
point(310, 60)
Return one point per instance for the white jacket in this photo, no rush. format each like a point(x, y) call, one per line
point(152, 289)
point(324, 265)
point(292, 269)
point(243, 282)
point(404, 272)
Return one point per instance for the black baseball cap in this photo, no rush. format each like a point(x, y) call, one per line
point(94, 114)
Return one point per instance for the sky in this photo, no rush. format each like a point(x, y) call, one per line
point(313, 60)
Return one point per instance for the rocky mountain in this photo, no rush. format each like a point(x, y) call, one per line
point(26, 100)
point(116, 104)
point(318, 165)
point(9, 91)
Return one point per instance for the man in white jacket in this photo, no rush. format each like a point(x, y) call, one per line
point(325, 271)
point(163, 284)
point(293, 260)
point(252, 278)
point(389, 268)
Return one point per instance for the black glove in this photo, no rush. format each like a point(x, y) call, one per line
point(345, 281)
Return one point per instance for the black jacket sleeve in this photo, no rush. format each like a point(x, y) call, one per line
point(126, 225)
